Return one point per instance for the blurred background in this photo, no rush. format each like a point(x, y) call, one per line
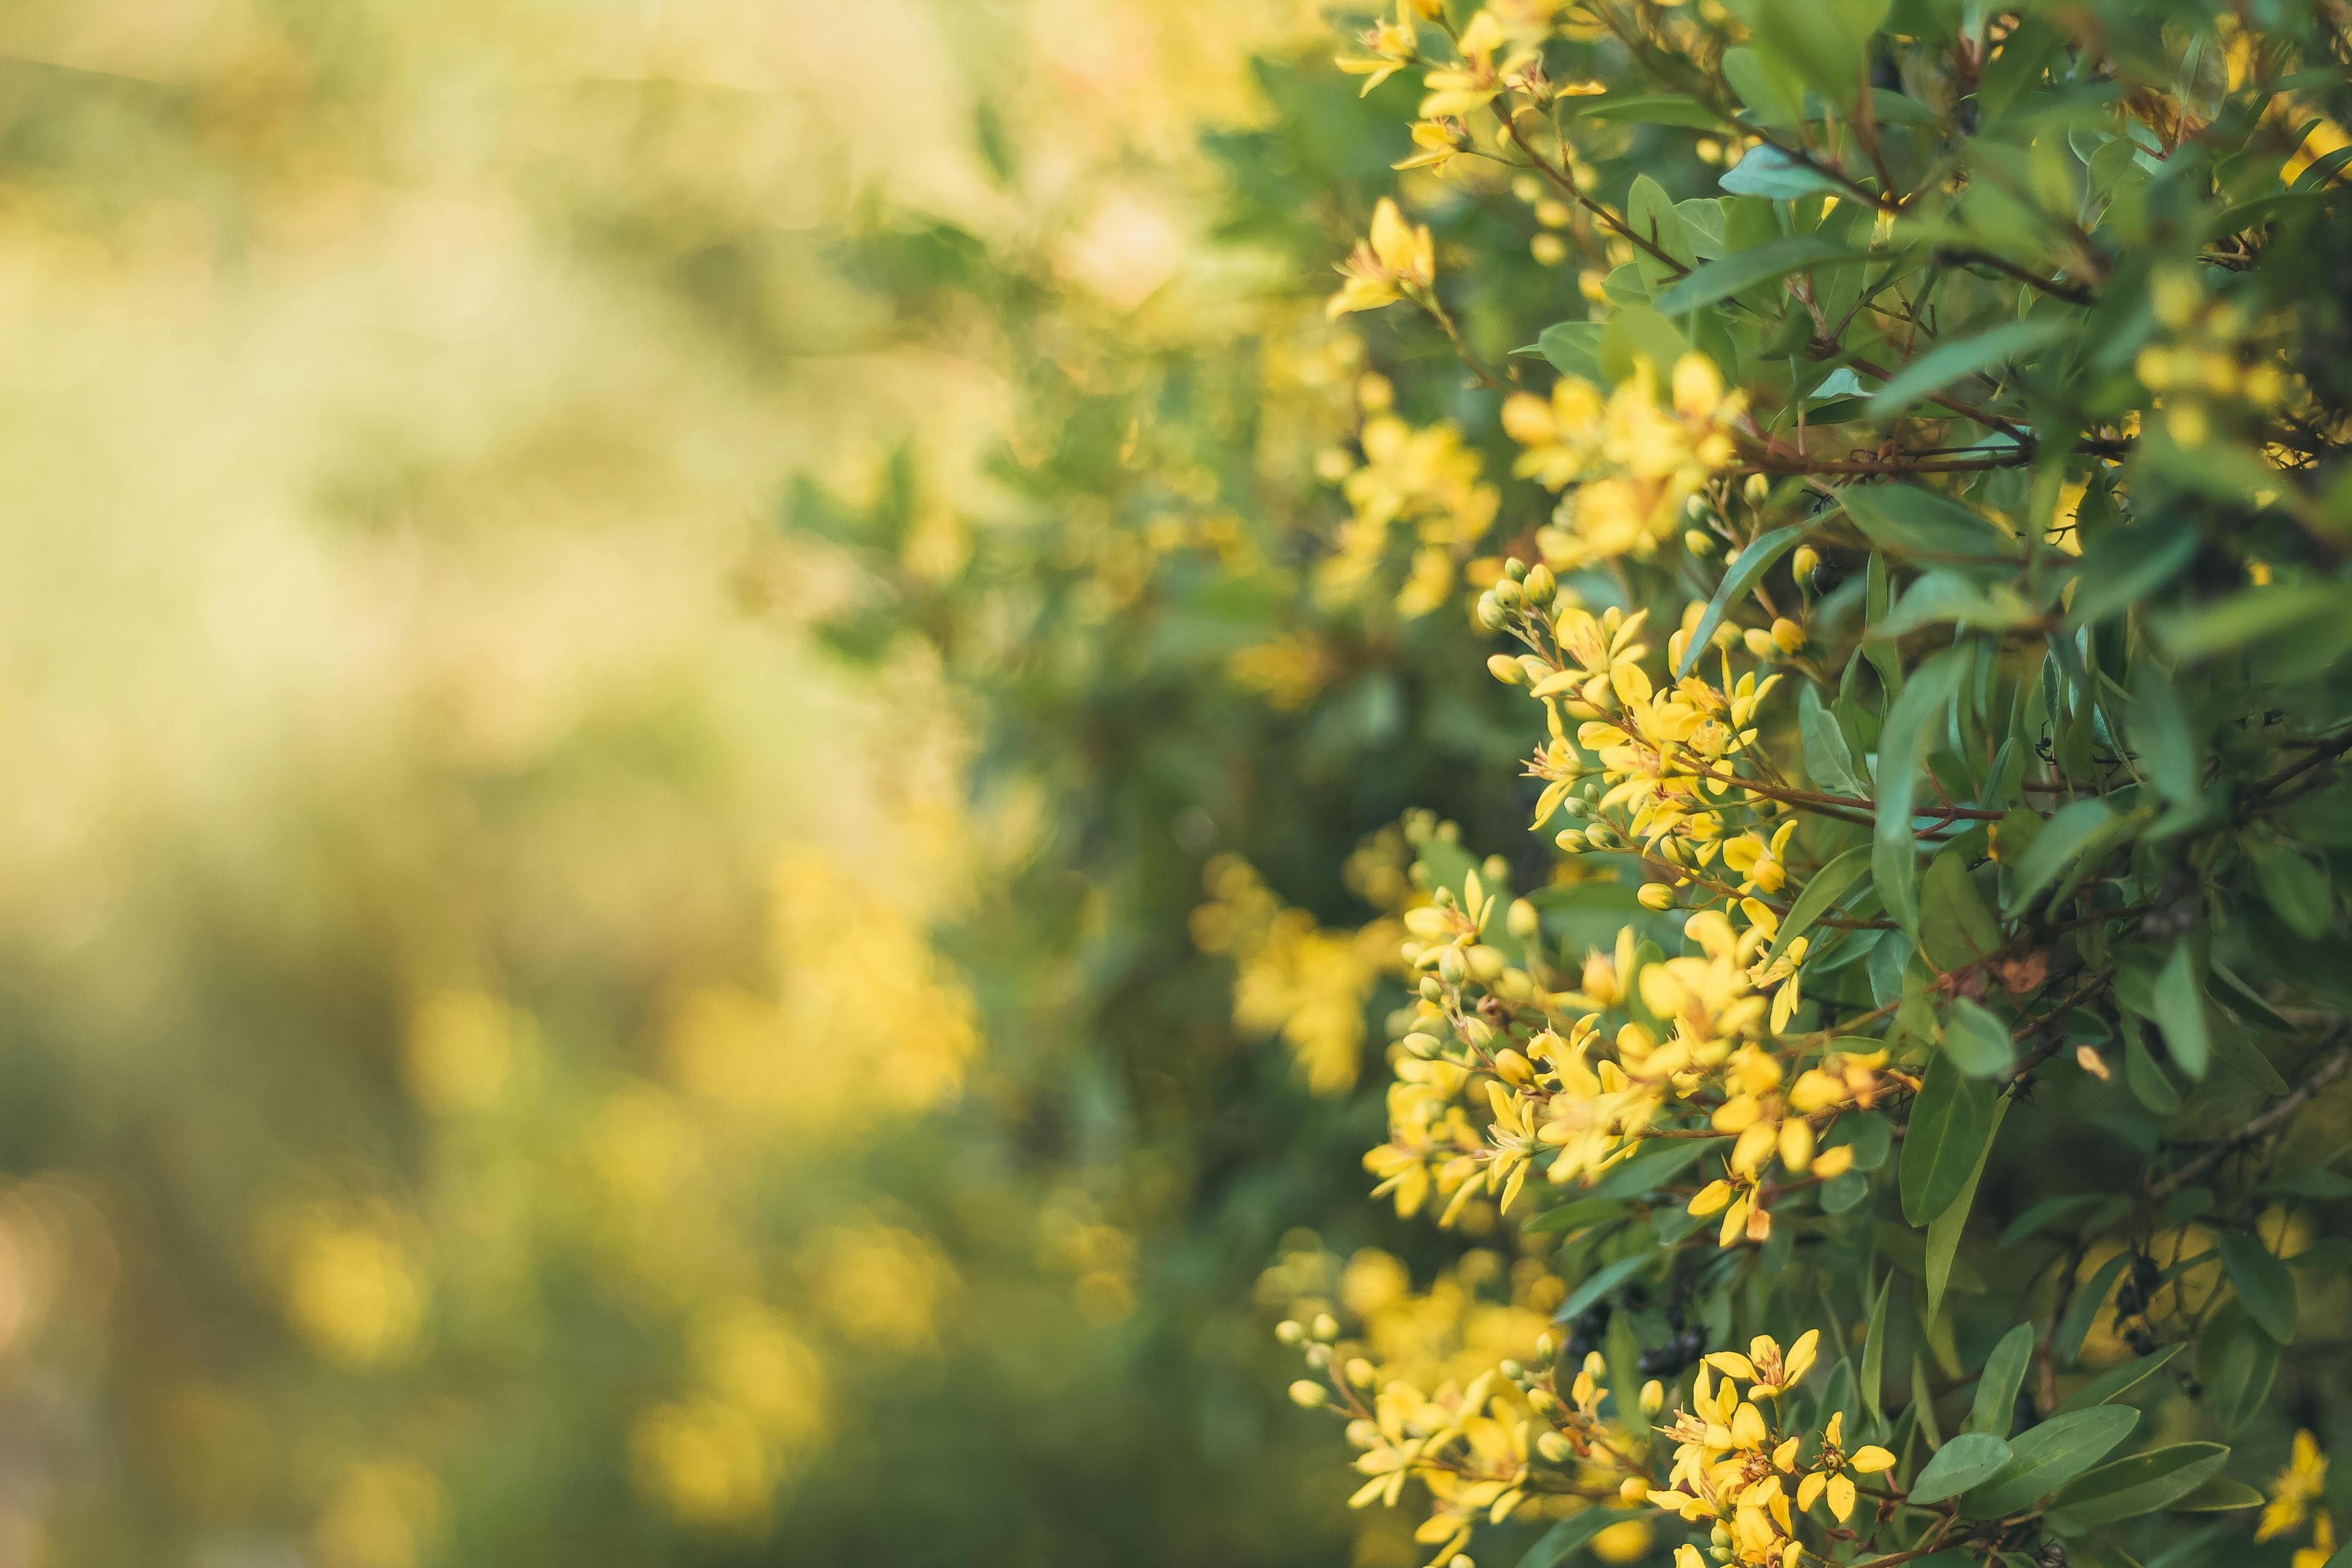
point(596, 894)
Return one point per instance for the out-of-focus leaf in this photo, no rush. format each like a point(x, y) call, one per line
point(2179, 1006)
point(2263, 1283)
point(1950, 361)
point(1903, 748)
point(1743, 269)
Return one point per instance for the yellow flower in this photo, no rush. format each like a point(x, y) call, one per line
point(1441, 141)
point(1394, 259)
point(2300, 1485)
point(1390, 46)
point(1766, 1366)
point(1829, 1473)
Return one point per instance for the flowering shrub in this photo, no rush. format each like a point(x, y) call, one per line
point(1904, 1081)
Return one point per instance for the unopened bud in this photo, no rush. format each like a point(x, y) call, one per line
point(1290, 1331)
point(1360, 1371)
point(1505, 668)
point(1699, 542)
point(1802, 565)
point(1490, 612)
point(1756, 488)
point(1541, 587)
point(1655, 896)
point(1325, 1326)
point(1309, 1395)
point(1514, 569)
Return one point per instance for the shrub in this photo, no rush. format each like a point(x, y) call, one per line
point(1903, 1100)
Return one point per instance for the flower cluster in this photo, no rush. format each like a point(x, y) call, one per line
point(1740, 1468)
point(1635, 461)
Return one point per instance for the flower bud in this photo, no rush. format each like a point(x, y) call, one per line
point(1360, 1371)
point(1290, 1331)
point(1634, 1489)
point(1554, 1447)
point(1699, 542)
point(1756, 488)
point(1655, 896)
point(1490, 612)
point(1653, 1399)
point(1508, 593)
point(1522, 921)
point(1505, 668)
point(1834, 1162)
point(1788, 636)
point(1309, 1395)
point(1802, 565)
point(1514, 569)
point(1453, 967)
point(1325, 1326)
point(1541, 587)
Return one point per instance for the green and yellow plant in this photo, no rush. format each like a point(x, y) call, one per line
point(1905, 1091)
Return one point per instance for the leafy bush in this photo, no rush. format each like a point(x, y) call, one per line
point(1904, 1097)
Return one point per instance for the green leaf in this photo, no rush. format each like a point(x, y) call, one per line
point(1623, 1352)
point(1915, 521)
point(1769, 171)
point(2221, 1494)
point(2180, 1003)
point(2263, 1283)
point(1573, 348)
point(2237, 1362)
point(2117, 1382)
point(2251, 616)
point(1583, 1212)
point(1968, 1460)
point(2141, 1483)
point(1955, 929)
point(1951, 1126)
point(2053, 849)
point(2294, 886)
point(1829, 761)
point(1649, 109)
point(1737, 579)
point(1874, 1351)
point(1564, 1540)
point(2145, 1077)
point(1645, 1172)
point(1742, 269)
point(2041, 1214)
point(1945, 1230)
point(2047, 1457)
point(1947, 598)
point(2234, 1047)
point(1977, 1043)
point(1820, 895)
point(2158, 731)
point(1950, 361)
point(1923, 1402)
point(2124, 567)
point(1650, 214)
point(1599, 1283)
point(2066, 1339)
point(1902, 745)
point(2004, 1373)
